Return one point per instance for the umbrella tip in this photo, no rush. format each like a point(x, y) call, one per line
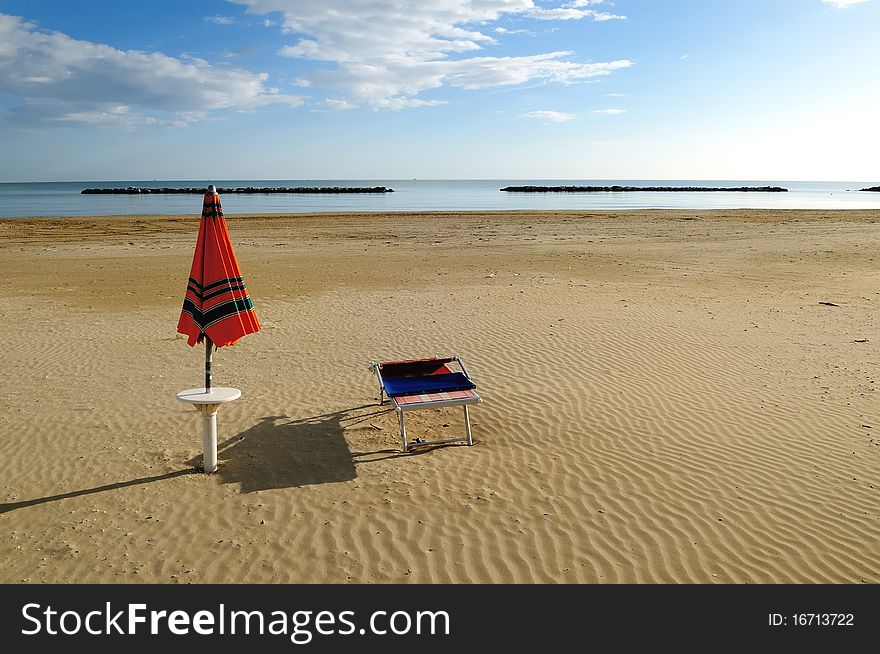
point(212, 189)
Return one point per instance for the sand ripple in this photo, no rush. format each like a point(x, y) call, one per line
point(629, 433)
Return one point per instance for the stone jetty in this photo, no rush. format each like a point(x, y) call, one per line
point(135, 190)
point(627, 189)
point(871, 188)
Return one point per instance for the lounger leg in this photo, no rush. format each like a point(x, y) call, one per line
point(381, 387)
point(467, 422)
point(403, 431)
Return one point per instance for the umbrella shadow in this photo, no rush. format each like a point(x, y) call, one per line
point(13, 506)
point(281, 452)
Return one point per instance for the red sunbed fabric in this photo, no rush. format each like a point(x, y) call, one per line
point(414, 368)
point(403, 400)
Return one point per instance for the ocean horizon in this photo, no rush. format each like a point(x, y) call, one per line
point(57, 199)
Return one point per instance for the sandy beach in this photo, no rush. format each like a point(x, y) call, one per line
point(669, 397)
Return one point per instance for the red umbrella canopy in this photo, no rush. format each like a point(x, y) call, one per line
point(216, 304)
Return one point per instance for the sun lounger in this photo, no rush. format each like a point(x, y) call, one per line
point(426, 384)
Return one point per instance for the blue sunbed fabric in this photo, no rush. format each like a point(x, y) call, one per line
point(453, 381)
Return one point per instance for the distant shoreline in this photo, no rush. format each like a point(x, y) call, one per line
point(66, 198)
point(648, 189)
point(136, 190)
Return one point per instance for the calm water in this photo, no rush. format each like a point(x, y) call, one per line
point(64, 198)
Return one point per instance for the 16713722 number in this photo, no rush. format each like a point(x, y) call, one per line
point(812, 620)
point(822, 619)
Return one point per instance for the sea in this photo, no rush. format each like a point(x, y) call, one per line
point(22, 199)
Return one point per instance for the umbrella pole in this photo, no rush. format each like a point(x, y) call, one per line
point(209, 416)
point(209, 346)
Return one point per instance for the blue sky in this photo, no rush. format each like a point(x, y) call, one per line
point(387, 89)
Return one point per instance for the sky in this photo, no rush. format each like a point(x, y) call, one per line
point(448, 89)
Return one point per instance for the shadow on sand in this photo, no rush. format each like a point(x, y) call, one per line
point(12, 506)
point(277, 452)
point(280, 452)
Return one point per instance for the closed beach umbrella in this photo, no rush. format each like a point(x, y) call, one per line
point(216, 308)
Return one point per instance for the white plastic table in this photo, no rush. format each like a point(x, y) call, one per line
point(208, 403)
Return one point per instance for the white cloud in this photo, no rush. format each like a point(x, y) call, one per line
point(386, 53)
point(572, 11)
point(58, 79)
point(117, 115)
point(843, 4)
point(553, 116)
point(483, 72)
point(609, 112)
point(220, 20)
point(502, 30)
point(336, 105)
